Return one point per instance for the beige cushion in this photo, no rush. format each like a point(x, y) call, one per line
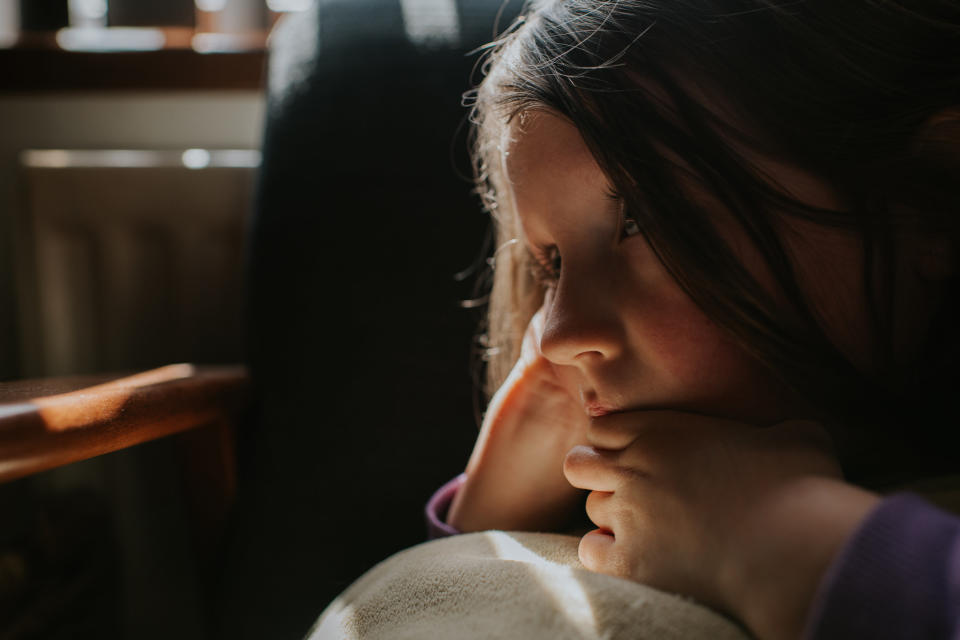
point(509, 585)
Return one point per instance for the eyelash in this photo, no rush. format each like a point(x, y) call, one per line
point(547, 261)
point(546, 265)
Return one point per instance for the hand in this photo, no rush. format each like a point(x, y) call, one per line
point(742, 518)
point(515, 475)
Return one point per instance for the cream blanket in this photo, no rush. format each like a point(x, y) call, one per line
point(508, 585)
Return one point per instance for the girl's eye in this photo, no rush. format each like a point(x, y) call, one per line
point(553, 261)
point(629, 225)
point(547, 265)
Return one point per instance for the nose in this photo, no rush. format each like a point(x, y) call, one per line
point(580, 322)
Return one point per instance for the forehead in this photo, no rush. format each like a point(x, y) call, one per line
point(550, 170)
point(538, 143)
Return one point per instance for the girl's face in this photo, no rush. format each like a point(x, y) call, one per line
point(620, 331)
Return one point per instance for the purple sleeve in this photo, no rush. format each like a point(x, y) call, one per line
point(897, 577)
point(439, 505)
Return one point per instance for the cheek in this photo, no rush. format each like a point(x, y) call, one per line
point(680, 339)
point(698, 367)
point(684, 359)
point(666, 328)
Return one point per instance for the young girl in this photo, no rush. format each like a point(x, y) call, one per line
point(723, 302)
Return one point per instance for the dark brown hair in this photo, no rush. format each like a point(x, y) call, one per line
point(860, 93)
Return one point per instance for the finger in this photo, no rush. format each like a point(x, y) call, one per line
point(594, 469)
point(619, 430)
point(600, 510)
point(599, 551)
point(614, 431)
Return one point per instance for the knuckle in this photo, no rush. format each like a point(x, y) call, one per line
point(632, 473)
point(624, 475)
